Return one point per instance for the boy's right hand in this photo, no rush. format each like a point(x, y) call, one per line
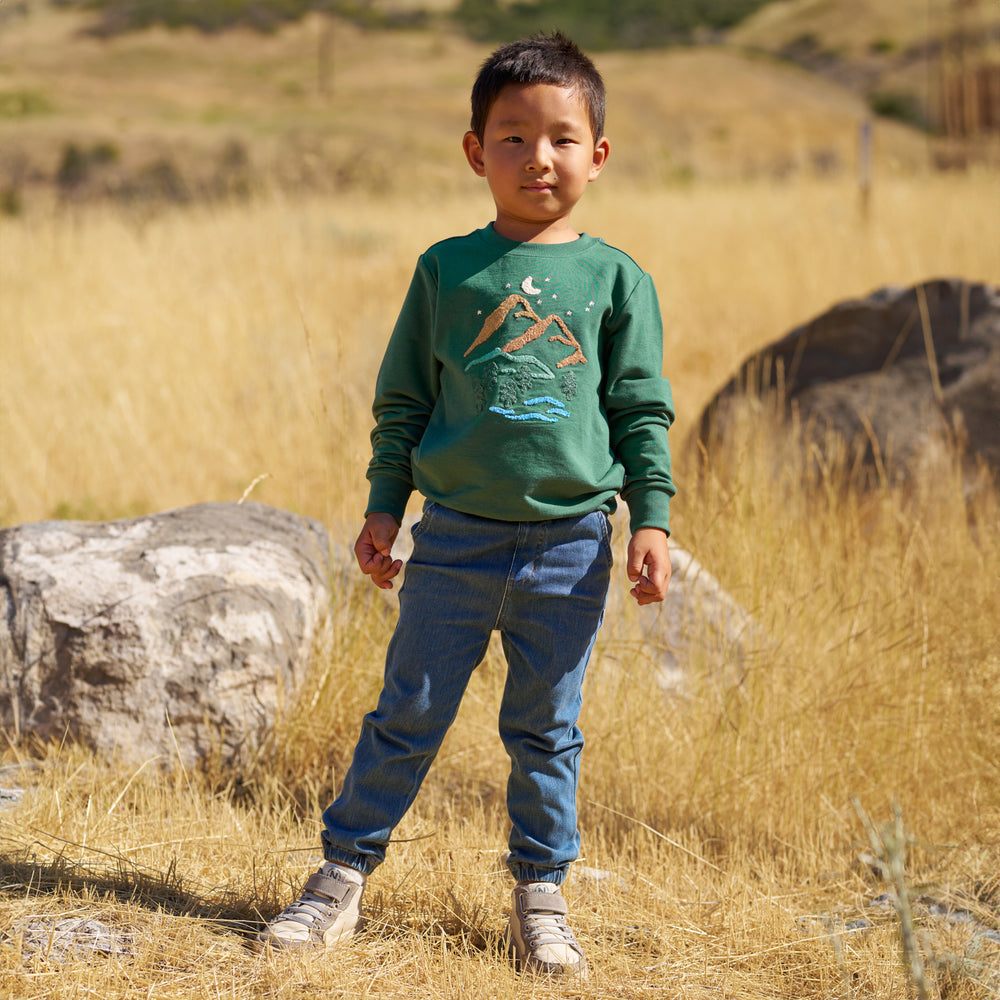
point(373, 549)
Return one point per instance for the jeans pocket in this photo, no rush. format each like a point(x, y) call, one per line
point(606, 531)
point(430, 506)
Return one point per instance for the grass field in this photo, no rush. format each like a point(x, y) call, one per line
point(158, 357)
point(151, 362)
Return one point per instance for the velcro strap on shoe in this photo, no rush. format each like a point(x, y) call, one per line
point(544, 902)
point(324, 885)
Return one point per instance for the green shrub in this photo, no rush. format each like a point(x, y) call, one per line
point(808, 50)
point(602, 24)
point(901, 105)
point(74, 167)
point(595, 24)
point(21, 103)
point(11, 202)
point(212, 16)
point(882, 46)
point(105, 152)
point(162, 180)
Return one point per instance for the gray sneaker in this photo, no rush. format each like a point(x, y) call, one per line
point(327, 912)
point(539, 936)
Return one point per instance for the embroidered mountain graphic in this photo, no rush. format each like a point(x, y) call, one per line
point(542, 370)
point(538, 326)
point(507, 374)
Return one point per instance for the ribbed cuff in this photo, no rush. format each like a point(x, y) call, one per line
point(388, 495)
point(648, 509)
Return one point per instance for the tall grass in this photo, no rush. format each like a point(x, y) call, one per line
point(155, 361)
point(173, 359)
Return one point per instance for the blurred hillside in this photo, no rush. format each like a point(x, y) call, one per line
point(326, 103)
point(897, 54)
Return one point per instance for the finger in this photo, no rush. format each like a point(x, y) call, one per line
point(364, 548)
point(659, 577)
point(383, 529)
point(636, 561)
point(646, 591)
point(385, 571)
point(369, 559)
point(382, 539)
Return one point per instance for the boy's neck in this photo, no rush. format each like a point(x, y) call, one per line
point(559, 231)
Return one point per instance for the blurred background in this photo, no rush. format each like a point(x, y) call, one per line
point(209, 210)
point(176, 100)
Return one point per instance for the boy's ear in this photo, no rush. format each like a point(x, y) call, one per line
point(602, 150)
point(474, 153)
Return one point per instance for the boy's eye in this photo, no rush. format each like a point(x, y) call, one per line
point(513, 138)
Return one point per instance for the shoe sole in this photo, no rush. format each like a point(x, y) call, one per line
point(526, 965)
point(262, 942)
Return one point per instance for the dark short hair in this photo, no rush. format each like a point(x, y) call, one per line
point(546, 58)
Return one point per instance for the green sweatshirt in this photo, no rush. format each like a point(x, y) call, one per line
point(522, 382)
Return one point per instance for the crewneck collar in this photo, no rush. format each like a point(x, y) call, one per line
point(493, 239)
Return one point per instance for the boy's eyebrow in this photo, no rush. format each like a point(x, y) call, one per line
point(565, 124)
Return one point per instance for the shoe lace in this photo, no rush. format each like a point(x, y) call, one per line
point(541, 927)
point(543, 921)
point(312, 907)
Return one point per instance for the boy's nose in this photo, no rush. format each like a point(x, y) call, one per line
point(539, 156)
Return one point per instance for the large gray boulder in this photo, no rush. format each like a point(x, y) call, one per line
point(172, 636)
point(901, 376)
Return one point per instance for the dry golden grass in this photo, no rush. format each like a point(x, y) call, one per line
point(156, 361)
point(171, 359)
point(724, 819)
point(153, 359)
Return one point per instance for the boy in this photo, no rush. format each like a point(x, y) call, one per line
point(520, 392)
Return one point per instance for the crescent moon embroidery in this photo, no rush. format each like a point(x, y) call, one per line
point(528, 288)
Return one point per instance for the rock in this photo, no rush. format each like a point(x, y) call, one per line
point(11, 797)
point(173, 635)
point(61, 939)
point(598, 879)
point(16, 780)
point(699, 630)
point(895, 380)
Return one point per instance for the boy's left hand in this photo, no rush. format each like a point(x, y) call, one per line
point(373, 549)
point(648, 550)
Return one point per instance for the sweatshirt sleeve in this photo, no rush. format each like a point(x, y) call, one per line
point(406, 390)
point(640, 407)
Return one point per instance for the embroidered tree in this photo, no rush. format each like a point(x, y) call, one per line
point(480, 392)
point(509, 392)
point(524, 380)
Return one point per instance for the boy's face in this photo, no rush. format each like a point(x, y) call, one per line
point(538, 155)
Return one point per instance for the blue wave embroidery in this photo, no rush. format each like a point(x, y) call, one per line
point(512, 415)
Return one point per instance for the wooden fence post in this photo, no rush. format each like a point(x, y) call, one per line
point(864, 166)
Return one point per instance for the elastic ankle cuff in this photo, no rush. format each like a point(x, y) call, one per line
point(358, 862)
point(531, 873)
